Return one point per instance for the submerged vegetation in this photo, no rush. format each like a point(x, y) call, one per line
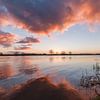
point(92, 82)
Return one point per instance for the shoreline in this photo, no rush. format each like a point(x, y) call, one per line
point(48, 54)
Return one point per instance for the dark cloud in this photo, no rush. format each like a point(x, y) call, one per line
point(44, 16)
point(27, 44)
point(23, 48)
point(29, 40)
point(7, 39)
point(3, 15)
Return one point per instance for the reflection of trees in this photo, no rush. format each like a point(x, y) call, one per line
point(63, 52)
point(51, 59)
point(56, 59)
point(70, 58)
point(6, 71)
point(63, 58)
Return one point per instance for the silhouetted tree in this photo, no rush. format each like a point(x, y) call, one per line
point(70, 52)
point(57, 52)
point(63, 52)
point(51, 51)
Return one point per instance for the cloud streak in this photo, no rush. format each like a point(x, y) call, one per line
point(45, 16)
point(23, 48)
point(29, 40)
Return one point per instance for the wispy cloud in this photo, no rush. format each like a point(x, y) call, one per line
point(45, 16)
point(29, 40)
point(26, 43)
point(23, 48)
point(7, 39)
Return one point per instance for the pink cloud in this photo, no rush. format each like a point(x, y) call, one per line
point(7, 39)
point(46, 16)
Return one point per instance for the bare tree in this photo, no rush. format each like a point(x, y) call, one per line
point(70, 52)
point(63, 52)
point(51, 51)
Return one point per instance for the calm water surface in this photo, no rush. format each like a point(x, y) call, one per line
point(17, 70)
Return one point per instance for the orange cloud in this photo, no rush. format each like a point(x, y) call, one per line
point(45, 16)
point(91, 11)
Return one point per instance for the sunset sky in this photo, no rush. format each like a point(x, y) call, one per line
point(40, 25)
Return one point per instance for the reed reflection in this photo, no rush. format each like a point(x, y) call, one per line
point(91, 83)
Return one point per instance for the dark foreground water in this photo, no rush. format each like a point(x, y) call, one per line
point(19, 69)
